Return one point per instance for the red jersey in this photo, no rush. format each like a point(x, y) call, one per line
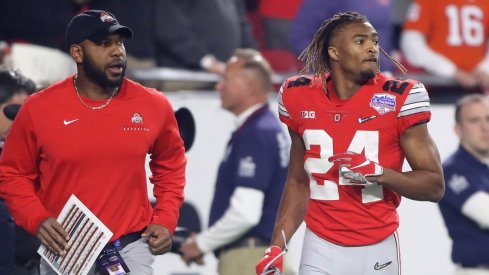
point(371, 122)
point(457, 29)
point(58, 147)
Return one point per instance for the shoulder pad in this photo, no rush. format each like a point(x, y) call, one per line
point(396, 86)
point(299, 81)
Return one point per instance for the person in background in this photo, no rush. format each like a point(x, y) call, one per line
point(449, 38)
point(351, 128)
point(464, 207)
point(14, 89)
point(276, 18)
point(252, 174)
point(89, 136)
point(200, 34)
point(312, 13)
point(271, 22)
point(7, 240)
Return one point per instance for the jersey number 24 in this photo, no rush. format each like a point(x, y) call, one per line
point(367, 141)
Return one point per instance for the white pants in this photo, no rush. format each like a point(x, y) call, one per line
point(322, 257)
point(136, 255)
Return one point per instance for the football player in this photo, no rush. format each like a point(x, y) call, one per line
point(351, 129)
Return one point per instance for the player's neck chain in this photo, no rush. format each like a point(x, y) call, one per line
point(93, 107)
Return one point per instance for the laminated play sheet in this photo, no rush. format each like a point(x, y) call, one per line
point(87, 237)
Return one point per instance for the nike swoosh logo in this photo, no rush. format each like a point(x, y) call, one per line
point(365, 119)
point(66, 122)
point(378, 266)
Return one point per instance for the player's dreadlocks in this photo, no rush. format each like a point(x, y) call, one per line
point(316, 55)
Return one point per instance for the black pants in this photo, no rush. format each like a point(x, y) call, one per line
point(7, 240)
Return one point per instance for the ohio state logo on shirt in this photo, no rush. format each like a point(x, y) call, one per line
point(136, 124)
point(137, 118)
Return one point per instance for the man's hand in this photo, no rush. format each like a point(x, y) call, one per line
point(271, 262)
point(191, 252)
point(159, 238)
point(483, 80)
point(53, 236)
point(217, 67)
point(212, 65)
point(466, 79)
point(355, 167)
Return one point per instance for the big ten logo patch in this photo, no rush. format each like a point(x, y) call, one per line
point(308, 114)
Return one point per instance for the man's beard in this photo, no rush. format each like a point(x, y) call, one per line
point(99, 77)
point(367, 75)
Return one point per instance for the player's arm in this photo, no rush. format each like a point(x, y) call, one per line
point(425, 182)
point(295, 198)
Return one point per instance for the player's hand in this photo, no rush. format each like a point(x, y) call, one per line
point(355, 167)
point(159, 238)
point(53, 236)
point(271, 262)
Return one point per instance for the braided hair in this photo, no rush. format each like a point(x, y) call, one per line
point(316, 56)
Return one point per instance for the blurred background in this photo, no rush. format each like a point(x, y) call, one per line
point(180, 46)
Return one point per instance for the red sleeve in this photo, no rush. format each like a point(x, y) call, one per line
point(18, 174)
point(409, 121)
point(167, 165)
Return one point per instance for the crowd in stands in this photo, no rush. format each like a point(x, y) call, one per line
point(447, 39)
